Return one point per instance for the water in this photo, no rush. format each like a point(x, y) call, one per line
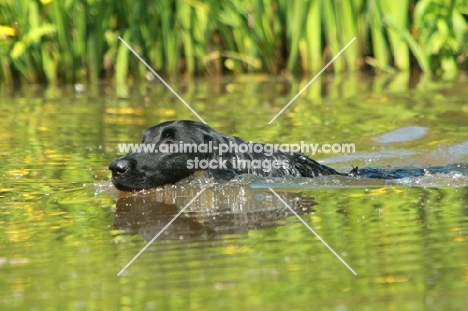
point(65, 232)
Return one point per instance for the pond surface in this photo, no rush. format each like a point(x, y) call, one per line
point(66, 232)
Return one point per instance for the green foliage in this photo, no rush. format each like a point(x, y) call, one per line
point(442, 28)
point(76, 40)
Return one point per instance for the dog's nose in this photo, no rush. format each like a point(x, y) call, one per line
point(119, 167)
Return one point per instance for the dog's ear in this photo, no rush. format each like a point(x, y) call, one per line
point(223, 174)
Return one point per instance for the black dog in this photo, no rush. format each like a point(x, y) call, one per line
point(177, 149)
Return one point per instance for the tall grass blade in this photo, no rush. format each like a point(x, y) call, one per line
point(380, 45)
point(314, 36)
point(392, 10)
point(331, 33)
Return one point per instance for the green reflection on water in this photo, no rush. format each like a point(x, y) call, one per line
point(60, 248)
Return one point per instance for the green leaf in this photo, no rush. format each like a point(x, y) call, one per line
point(18, 49)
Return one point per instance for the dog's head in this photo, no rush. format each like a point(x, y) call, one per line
point(147, 169)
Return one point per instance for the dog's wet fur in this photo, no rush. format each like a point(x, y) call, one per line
point(137, 171)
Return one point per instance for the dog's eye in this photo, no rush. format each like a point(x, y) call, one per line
point(168, 133)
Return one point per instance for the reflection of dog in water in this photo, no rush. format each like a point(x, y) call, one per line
point(213, 214)
point(142, 170)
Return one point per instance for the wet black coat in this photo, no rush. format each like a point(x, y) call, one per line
point(142, 170)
